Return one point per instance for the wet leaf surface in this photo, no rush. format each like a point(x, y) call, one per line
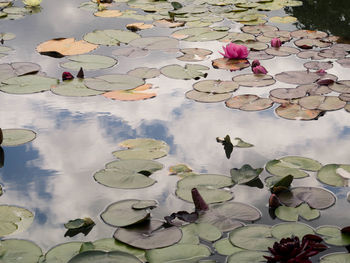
point(16, 137)
point(89, 62)
point(249, 102)
point(113, 82)
point(110, 37)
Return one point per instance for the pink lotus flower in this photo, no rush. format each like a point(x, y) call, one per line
point(234, 51)
point(259, 70)
point(276, 42)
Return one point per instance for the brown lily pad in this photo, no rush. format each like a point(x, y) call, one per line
point(168, 23)
point(317, 65)
point(308, 34)
point(194, 54)
point(138, 26)
point(288, 94)
point(308, 43)
point(230, 64)
point(282, 51)
point(344, 62)
point(342, 86)
point(309, 54)
point(324, 103)
point(259, 55)
point(297, 77)
point(60, 47)
point(333, 53)
point(296, 112)
point(249, 102)
point(215, 86)
point(206, 96)
point(314, 89)
point(254, 80)
point(345, 97)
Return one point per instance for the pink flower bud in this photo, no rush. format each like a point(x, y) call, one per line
point(276, 42)
point(234, 51)
point(67, 76)
point(321, 72)
point(259, 70)
point(255, 63)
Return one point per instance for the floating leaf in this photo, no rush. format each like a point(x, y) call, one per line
point(312, 54)
point(17, 69)
point(104, 257)
point(148, 235)
point(7, 36)
point(336, 258)
point(288, 94)
point(283, 20)
point(296, 112)
point(228, 146)
point(110, 37)
point(16, 137)
point(156, 43)
point(224, 247)
point(315, 197)
point(14, 219)
point(345, 63)
point(342, 86)
point(249, 102)
point(144, 204)
point(17, 250)
point(204, 231)
point(225, 216)
point(334, 174)
point(131, 95)
point(207, 97)
point(131, 52)
point(113, 82)
point(285, 230)
point(256, 30)
point(308, 34)
point(60, 47)
point(254, 80)
point(194, 54)
point(215, 86)
point(317, 65)
point(190, 71)
point(245, 174)
point(185, 253)
point(121, 213)
point(27, 84)
point(324, 103)
point(230, 64)
point(79, 223)
point(74, 88)
point(128, 174)
point(297, 77)
point(282, 51)
point(144, 72)
point(89, 62)
point(332, 235)
point(247, 257)
point(63, 252)
point(198, 34)
point(333, 53)
point(307, 43)
point(292, 213)
point(259, 55)
point(108, 13)
point(179, 169)
point(138, 26)
point(142, 148)
point(168, 23)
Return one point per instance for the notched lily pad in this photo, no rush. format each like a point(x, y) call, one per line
point(74, 88)
point(144, 73)
point(249, 102)
point(245, 174)
point(323, 103)
point(293, 213)
point(17, 69)
point(91, 256)
point(194, 54)
point(296, 112)
point(27, 84)
point(18, 250)
point(282, 51)
point(189, 71)
point(215, 86)
point(254, 80)
point(156, 43)
point(14, 219)
point(89, 62)
point(332, 235)
point(297, 77)
point(110, 37)
point(308, 34)
point(230, 64)
point(16, 137)
point(334, 174)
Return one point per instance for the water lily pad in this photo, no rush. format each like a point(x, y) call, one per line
point(128, 174)
point(15, 137)
point(333, 53)
point(317, 65)
point(259, 55)
point(307, 43)
point(121, 213)
point(227, 216)
point(324, 103)
point(27, 84)
point(104, 257)
point(144, 73)
point(108, 13)
point(334, 174)
point(283, 20)
point(131, 52)
point(110, 37)
point(336, 258)
point(314, 89)
point(198, 34)
point(315, 197)
point(17, 69)
point(206, 96)
point(89, 62)
point(285, 230)
point(256, 30)
point(168, 23)
point(74, 88)
point(156, 43)
point(79, 223)
point(296, 112)
point(189, 71)
point(342, 86)
point(332, 235)
point(293, 213)
point(288, 94)
point(247, 257)
point(249, 102)
point(17, 250)
point(142, 148)
point(254, 80)
point(224, 247)
point(297, 77)
point(131, 95)
point(63, 252)
point(185, 253)
point(283, 35)
point(4, 50)
point(7, 36)
point(230, 64)
point(113, 82)
point(204, 231)
point(245, 174)
point(312, 54)
point(148, 235)
point(345, 63)
point(282, 51)
point(235, 36)
point(252, 237)
point(308, 34)
point(194, 54)
point(14, 219)
point(60, 47)
point(179, 169)
point(215, 86)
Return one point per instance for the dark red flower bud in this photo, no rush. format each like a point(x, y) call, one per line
point(274, 202)
point(198, 200)
point(67, 76)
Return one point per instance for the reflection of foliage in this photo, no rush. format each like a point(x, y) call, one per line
point(331, 16)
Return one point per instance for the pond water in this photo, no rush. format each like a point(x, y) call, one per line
point(52, 176)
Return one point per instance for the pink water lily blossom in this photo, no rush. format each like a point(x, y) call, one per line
point(259, 70)
point(276, 42)
point(234, 51)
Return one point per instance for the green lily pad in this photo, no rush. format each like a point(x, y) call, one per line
point(225, 216)
point(207, 97)
point(204, 231)
point(104, 257)
point(184, 253)
point(283, 20)
point(245, 174)
point(315, 197)
point(285, 230)
point(27, 84)
point(121, 213)
point(155, 43)
point(210, 195)
point(144, 73)
point(254, 80)
point(89, 62)
point(288, 94)
point(292, 213)
point(15, 137)
point(17, 250)
point(14, 219)
point(130, 52)
point(249, 102)
point(194, 54)
point(74, 88)
point(79, 223)
point(247, 257)
point(113, 82)
point(282, 51)
point(259, 55)
point(252, 237)
point(334, 174)
point(110, 37)
point(336, 258)
point(195, 34)
point(128, 174)
point(224, 247)
point(189, 71)
point(333, 236)
point(215, 86)
point(256, 30)
point(62, 253)
point(142, 148)
point(4, 50)
point(179, 169)
point(7, 36)
point(17, 69)
point(148, 235)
